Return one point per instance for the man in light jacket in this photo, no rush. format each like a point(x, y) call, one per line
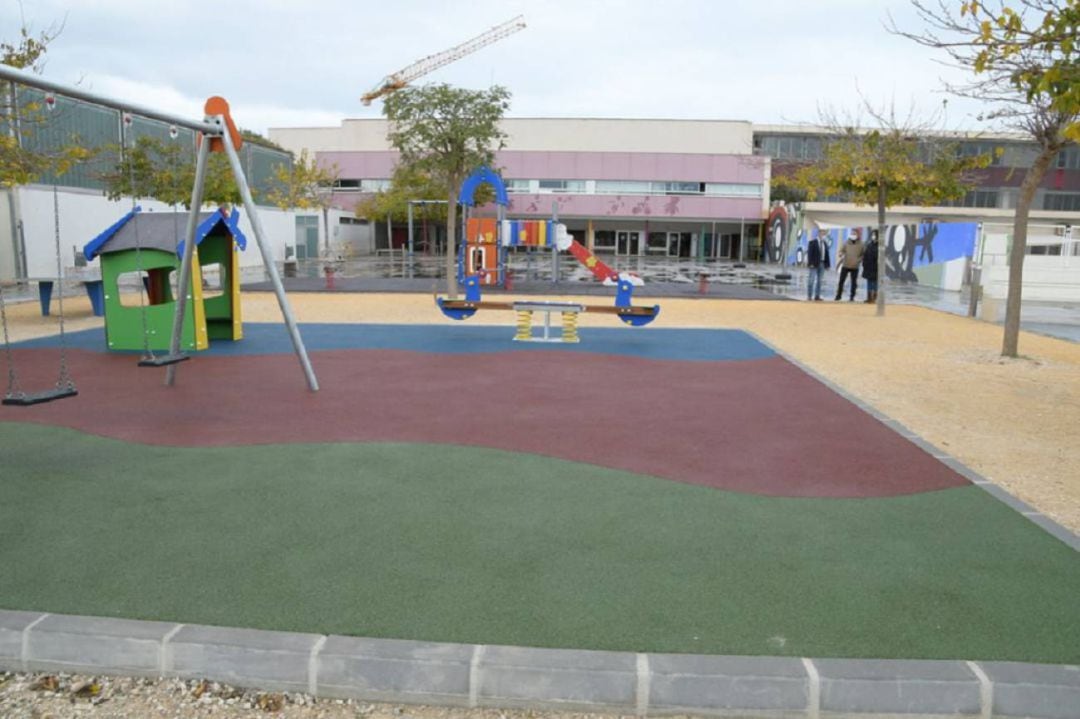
point(848, 261)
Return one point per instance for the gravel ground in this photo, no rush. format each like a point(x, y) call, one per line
point(60, 696)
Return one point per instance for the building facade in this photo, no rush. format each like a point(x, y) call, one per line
point(995, 187)
point(633, 188)
point(695, 189)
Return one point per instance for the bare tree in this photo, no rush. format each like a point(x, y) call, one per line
point(1025, 65)
point(889, 158)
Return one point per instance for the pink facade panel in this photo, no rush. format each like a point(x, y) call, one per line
point(361, 165)
point(635, 207)
point(633, 166)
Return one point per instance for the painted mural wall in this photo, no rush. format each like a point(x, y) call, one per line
point(928, 253)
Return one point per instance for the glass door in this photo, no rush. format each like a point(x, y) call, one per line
point(680, 244)
point(627, 242)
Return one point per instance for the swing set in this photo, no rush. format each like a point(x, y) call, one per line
point(215, 133)
point(65, 385)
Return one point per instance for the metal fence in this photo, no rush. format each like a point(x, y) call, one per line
point(101, 130)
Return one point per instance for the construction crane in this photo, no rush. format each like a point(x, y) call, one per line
point(403, 77)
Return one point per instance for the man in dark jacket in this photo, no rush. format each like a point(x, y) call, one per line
point(869, 268)
point(817, 260)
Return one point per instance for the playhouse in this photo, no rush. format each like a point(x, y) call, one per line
point(149, 246)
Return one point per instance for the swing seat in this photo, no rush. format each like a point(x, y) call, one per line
point(163, 360)
point(26, 400)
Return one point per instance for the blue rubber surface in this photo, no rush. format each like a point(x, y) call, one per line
point(705, 345)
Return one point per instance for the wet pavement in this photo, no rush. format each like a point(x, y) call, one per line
point(664, 277)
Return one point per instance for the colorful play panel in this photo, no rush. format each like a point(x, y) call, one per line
point(645, 489)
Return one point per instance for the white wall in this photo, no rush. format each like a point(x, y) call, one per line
point(85, 214)
point(696, 137)
point(1047, 278)
point(7, 240)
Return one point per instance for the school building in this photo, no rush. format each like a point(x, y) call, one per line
point(674, 188)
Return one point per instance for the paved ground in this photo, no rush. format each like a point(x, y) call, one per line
point(447, 484)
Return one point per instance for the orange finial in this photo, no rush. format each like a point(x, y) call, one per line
point(219, 106)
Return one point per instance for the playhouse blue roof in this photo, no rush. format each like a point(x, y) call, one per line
point(159, 231)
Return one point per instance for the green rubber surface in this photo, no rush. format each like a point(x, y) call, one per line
point(449, 543)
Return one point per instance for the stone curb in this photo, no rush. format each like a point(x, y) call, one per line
point(1058, 531)
point(413, 672)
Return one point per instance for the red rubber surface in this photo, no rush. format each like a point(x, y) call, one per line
point(761, 426)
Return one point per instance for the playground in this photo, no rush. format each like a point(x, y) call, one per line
point(677, 488)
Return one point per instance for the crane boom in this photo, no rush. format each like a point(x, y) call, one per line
point(403, 77)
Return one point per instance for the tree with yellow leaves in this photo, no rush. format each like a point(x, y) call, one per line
point(897, 161)
point(306, 185)
point(1025, 60)
point(25, 113)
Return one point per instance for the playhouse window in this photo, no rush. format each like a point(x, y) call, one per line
point(214, 276)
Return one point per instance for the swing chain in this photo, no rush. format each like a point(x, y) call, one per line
point(148, 352)
point(13, 389)
point(64, 381)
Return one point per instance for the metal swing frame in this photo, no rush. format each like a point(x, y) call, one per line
point(213, 129)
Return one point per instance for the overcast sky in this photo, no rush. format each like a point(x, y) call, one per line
point(290, 63)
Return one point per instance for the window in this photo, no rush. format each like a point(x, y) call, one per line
point(577, 186)
point(622, 187)
point(352, 221)
point(732, 189)
point(604, 240)
point(518, 186)
point(1062, 201)
point(678, 188)
point(1069, 158)
point(374, 185)
point(975, 198)
point(656, 244)
point(347, 185)
point(974, 149)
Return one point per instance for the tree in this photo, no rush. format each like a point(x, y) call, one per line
point(409, 184)
point(306, 185)
point(1026, 64)
point(165, 170)
point(446, 133)
point(897, 163)
point(22, 114)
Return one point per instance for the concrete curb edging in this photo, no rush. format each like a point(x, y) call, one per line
point(413, 672)
point(1058, 531)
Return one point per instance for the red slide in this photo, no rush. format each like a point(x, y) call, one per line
point(598, 268)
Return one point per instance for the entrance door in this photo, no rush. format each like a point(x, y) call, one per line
point(627, 242)
point(679, 244)
point(307, 237)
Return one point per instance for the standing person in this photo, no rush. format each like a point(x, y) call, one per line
point(869, 268)
point(817, 260)
point(851, 254)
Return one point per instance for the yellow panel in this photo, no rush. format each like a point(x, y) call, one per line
point(237, 320)
point(198, 311)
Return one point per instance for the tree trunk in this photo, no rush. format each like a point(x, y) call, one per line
point(326, 231)
point(1034, 176)
point(451, 242)
point(881, 275)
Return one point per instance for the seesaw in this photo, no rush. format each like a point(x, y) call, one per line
point(633, 315)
